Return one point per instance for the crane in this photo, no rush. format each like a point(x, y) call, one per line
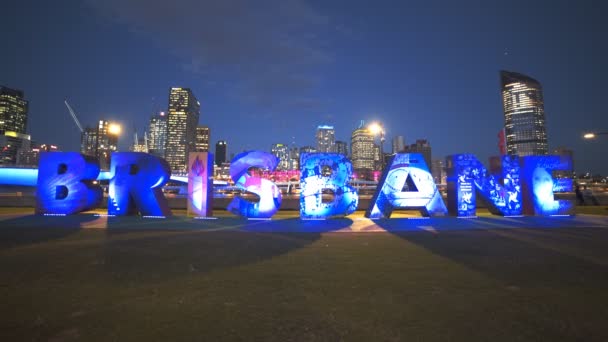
point(73, 116)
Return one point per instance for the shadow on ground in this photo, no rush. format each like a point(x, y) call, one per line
point(31, 229)
point(541, 251)
point(154, 249)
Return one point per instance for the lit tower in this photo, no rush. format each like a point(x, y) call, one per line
point(362, 148)
point(522, 98)
point(184, 111)
point(157, 138)
point(326, 139)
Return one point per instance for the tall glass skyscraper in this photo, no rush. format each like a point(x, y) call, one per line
point(13, 124)
point(184, 111)
point(158, 134)
point(362, 149)
point(13, 111)
point(522, 98)
point(326, 139)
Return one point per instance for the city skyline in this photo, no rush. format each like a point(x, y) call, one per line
point(424, 71)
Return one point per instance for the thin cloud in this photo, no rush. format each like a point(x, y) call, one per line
point(271, 47)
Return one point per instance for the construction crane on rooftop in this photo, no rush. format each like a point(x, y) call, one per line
point(73, 116)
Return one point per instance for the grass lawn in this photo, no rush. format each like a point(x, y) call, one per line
point(64, 284)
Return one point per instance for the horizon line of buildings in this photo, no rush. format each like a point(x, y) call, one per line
point(176, 132)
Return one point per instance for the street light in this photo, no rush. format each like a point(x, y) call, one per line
point(114, 128)
point(593, 135)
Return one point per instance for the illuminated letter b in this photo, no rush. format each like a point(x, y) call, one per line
point(65, 183)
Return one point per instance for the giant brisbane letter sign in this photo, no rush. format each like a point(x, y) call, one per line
point(268, 192)
point(406, 169)
point(136, 185)
point(65, 183)
point(467, 178)
point(327, 172)
point(200, 184)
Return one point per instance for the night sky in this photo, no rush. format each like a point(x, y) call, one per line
point(270, 71)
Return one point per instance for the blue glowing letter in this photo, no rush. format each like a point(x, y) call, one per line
point(467, 177)
point(406, 169)
point(539, 185)
point(326, 172)
point(269, 193)
point(135, 185)
point(65, 183)
point(200, 184)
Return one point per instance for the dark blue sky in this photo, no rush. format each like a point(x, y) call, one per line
point(270, 71)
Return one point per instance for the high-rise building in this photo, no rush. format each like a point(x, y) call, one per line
point(13, 111)
point(182, 119)
point(221, 152)
point(363, 149)
point(294, 158)
point(326, 139)
point(522, 98)
point(342, 148)
point(398, 144)
point(203, 135)
point(100, 141)
point(424, 147)
point(157, 137)
point(281, 151)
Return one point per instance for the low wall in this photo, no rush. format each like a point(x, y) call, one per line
point(13, 200)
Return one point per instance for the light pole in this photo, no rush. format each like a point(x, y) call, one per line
point(593, 135)
point(378, 129)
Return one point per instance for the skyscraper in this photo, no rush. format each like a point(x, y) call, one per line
point(281, 151)
point(424, 147)
point(522, 99)
point(13, 111)
point(398, 144)
point(184, 111)
point(362, 149)
point(342, 148)
point(326, 139)
point(13, 124)
point(157, 137)
point(221, 152)
point(100, 141)
point(203, 135)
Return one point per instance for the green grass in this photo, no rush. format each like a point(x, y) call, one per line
point(500, 285)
